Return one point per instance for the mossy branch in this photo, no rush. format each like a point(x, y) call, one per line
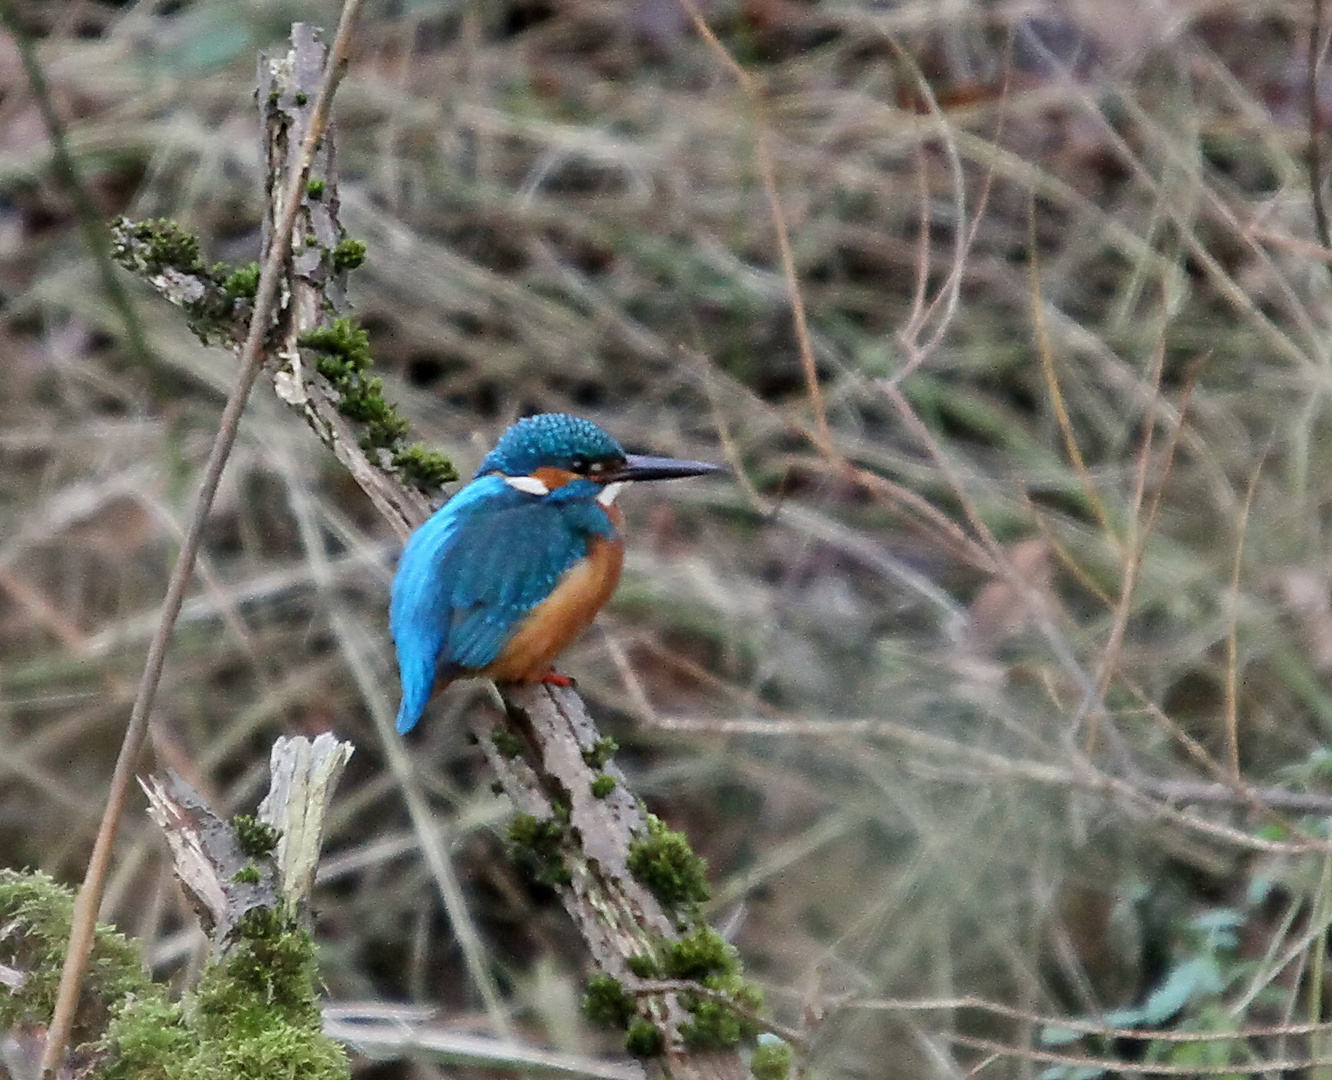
point(255, 1012)
point(318, 357)
point(631, 885)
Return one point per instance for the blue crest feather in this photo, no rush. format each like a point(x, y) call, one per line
point(548, 439)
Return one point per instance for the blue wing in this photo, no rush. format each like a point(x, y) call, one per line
point(469, 574)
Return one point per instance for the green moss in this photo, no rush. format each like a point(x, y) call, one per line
point(606, 1002)
point(539, 843)
point(602, 786)
point(168, 247)
point(246, 875)
point(600, 752)
point(315, 189)
point(427, 469)
point(667, 865)
point(343, 357)
point(241, 283)
point(772, 1059)
point(643, 1039)
point(645, 966)
point(257, 838)
point(717, 1024)
point(349, 254)
point(147, 1039)
point(301, 97)
point(255, 1013)
point(703, 956)
point(700, 953)
point(344, 349)
point(506, 742)
point(37, 913)
point(253, 1016)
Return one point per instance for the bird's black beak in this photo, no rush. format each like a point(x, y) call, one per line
point(638, 467)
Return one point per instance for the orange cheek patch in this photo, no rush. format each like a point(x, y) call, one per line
point(553, 478)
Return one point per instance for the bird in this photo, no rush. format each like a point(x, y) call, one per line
point(511, 569)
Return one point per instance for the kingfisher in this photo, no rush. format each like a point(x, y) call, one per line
point(508, 572)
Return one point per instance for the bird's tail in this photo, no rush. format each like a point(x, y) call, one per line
point(409, 712)
point(418, 670)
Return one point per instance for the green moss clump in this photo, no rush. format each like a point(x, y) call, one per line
point(772, 1059)
point(704, 957)
point(606, 1002)
point(539, 842)
point(667, 865)
point(301, 97)
point(343, 348)
point(315, 189)
point(427, 469)
point(168, 247)
point(257, 838)
point(506, 742)
point(349, 254)
point(343, 357)
point(253, 1017)
point(246, 875)
point(645, 966)
point(148, 1039)
point(717, 1024)
point(241, 283)
point(602, 786)
point(643, 1039)
point(38, 912)
point(255, 1013)
point(600, 752)
point(698, 954)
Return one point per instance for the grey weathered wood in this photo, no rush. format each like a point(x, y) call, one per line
point(207, 855)
point(303, 775)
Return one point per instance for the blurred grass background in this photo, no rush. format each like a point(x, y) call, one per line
point(935, 698)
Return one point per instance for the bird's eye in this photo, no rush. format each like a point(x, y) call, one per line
point(579, 465)
point(596, 468)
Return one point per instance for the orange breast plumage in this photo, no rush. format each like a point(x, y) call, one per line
point(552, 625)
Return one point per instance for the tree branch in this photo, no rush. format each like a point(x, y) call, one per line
point(630, 886)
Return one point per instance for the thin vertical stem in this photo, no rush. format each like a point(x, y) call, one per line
point(251, 360)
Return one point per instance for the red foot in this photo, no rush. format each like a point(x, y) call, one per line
point(554, 678)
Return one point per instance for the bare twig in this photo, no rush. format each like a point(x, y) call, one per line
point(1315, 149)
point(1077, 1024)
point(1257, 1067)
point(252, 357)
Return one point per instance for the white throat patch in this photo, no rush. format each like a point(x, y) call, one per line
point(529, 485)
point(606, 495)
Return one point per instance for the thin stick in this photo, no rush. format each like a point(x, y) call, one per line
point(1232, 634)
point(89, 899)
point(1315, 152)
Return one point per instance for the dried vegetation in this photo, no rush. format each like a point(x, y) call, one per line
point(998, 675)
